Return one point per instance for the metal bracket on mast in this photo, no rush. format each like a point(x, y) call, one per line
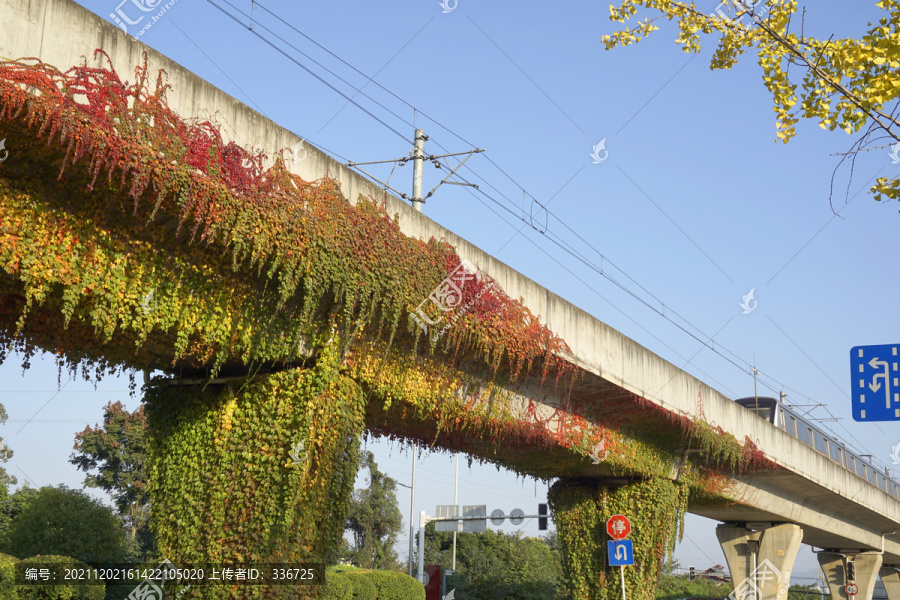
point(387, 186)
point(452, 171)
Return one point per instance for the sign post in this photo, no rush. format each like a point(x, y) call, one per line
point(620, 551)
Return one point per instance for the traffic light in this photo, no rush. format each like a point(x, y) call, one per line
point(542, 520)
point(690, 573)
point(851, 570)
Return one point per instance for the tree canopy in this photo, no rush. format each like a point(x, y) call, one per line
point(58, 520)
point(117, 451)
point(849, 84)
point(498, 565)
point(374, 519)
point(11, 505)
point(5, 454)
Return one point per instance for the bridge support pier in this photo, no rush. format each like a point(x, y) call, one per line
point(890, 577)
point(760, 561)
point(866, 566)
point(255, 471)
point(581, 508)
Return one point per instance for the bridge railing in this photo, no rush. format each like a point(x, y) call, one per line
point(835, 450)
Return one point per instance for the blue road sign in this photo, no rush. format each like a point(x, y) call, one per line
point(620, 553)
point(875, 383)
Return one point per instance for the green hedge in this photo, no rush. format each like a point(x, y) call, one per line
point(363, 586)
point(350, 583)
point(59, 592)
point(392, 585)
point(337, 587)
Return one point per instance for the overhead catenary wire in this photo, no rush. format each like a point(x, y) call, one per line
point(559, 242)
point(567, 247)
point(370, 79)
point(246, 95)
point(696, 334)
point(304, 67)
point(597, 292)
point(773, 388)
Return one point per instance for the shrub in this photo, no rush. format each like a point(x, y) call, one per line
point(62, 521)
point(364, 587)
point(337, 587)
point(392, 585)
point(60, 592)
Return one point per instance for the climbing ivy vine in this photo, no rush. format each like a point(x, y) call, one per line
point(133, 238)
point(257, 473)
point(202, 213)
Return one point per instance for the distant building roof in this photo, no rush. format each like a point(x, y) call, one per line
point(716, 572)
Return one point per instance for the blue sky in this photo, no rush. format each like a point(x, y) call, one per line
point(696, 201)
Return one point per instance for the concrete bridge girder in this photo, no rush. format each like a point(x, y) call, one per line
point(60, 32)
point(865, 570)
point(760, 562)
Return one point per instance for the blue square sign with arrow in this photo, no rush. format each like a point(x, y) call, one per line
point(875, 382)
point(621, 553)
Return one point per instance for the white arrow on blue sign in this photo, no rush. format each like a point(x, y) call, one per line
point(875, 383)
point(621, 553)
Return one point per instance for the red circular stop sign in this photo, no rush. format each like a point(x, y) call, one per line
point(618, 527)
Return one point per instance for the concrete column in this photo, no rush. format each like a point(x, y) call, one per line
point(581, 509)
point(245, 472)
point(760, 561)
point(834, 566)
point(890, 577)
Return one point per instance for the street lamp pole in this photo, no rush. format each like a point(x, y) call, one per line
point(412, 512)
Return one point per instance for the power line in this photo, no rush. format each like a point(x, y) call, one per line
point(559, 242)
point(601, 296)
point(432, 119)
point(305, 68)
point(555, 239)
point(567, 247)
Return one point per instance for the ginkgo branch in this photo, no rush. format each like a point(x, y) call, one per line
point(824, 77)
